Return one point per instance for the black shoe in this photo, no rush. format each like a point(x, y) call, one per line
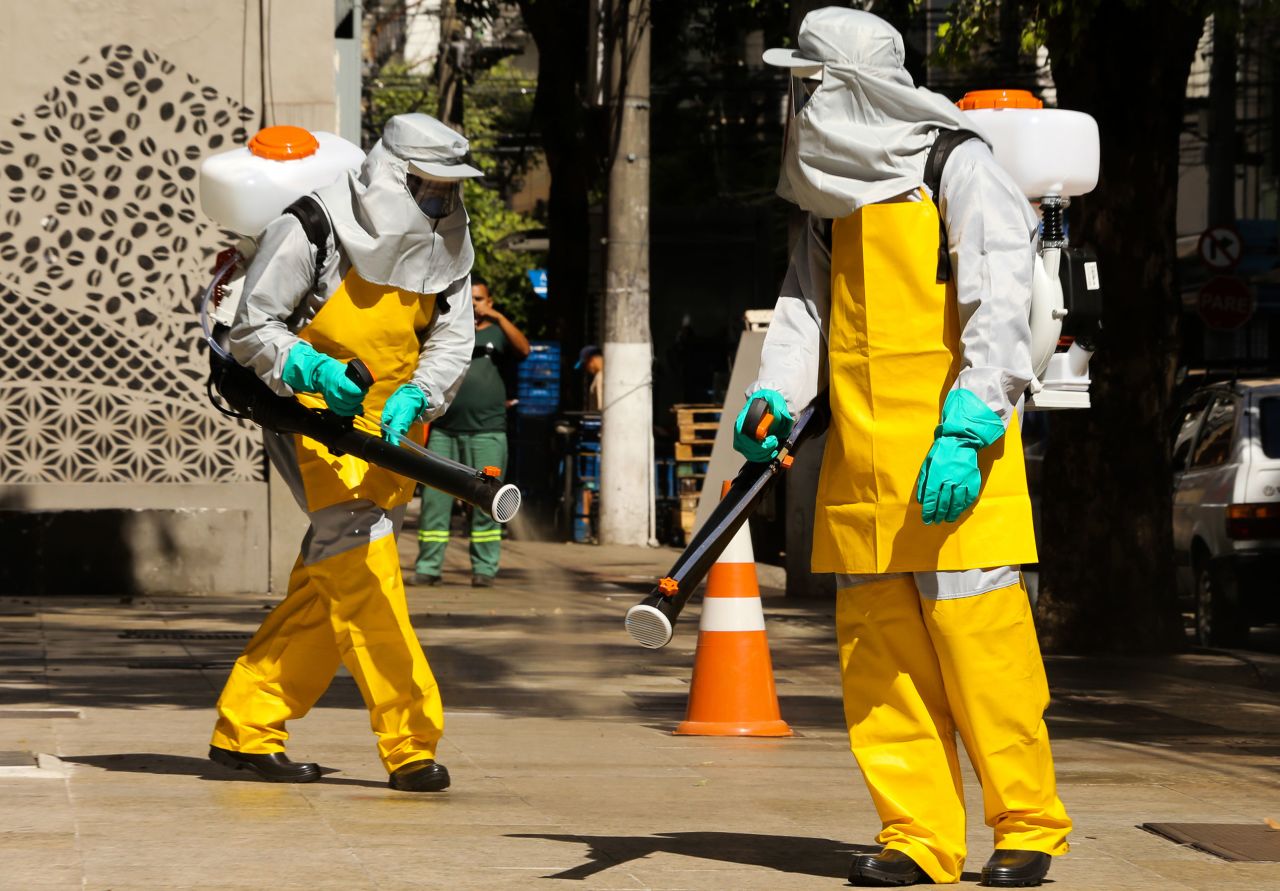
point(275, 767)
point(420, 776)
point(481, 581)
point(1015, 869)
point(888, 869)
point(421, 578)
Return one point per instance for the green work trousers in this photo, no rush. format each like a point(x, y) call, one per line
point(476, 450)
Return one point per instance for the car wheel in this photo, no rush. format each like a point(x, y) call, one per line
point(1218, 621)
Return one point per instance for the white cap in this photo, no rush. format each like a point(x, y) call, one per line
point(791, 58)
point(429, 147)
point(835, 35)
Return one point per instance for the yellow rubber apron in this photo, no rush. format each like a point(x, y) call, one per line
point(384, 327)
point(894, 341)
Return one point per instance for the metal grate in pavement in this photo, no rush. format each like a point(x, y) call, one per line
point(1240, 842)
point(179, 634)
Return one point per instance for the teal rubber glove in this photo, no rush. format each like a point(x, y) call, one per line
point(763, 450)
point(310, 371)
point(404, 407)
point(949, 479)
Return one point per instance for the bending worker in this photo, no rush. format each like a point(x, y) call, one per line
point(922, 506)
point(388, 284)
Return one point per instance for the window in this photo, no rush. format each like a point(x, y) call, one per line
point(1184, 431)
point(1214, 445)
point(1269, 418)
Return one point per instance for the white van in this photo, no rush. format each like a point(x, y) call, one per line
point(1226, 507)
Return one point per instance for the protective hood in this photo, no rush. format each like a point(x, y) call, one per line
point(377, 222)
point(865, 133)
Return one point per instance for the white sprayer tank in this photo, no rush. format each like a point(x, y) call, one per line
point(1050, 153)
point(1047, 151)
point(246, 188)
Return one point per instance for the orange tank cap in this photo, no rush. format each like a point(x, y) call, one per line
point(998, 99)
point(490, 470)
point(283, 143)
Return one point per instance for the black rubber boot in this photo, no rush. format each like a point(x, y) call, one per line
point(1016, 869)
point(888, 869)
point(420, 776)
point(275, 767)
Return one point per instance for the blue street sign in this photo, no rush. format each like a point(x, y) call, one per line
point(538, 278)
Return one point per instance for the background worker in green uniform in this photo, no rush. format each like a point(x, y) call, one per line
point(473, 431)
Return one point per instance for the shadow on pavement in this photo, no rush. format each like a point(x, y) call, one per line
point(821, 857)
point(186, 766)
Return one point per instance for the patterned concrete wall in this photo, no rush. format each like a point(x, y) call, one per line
point(103, 252)
point(112, 463)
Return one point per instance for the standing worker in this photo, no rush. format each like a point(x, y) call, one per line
point(591, 360)
point(473, 431)
point(378, 271)
point(922, 506)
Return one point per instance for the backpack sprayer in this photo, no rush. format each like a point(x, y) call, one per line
point(1052, 155)
point(245, 189)
point(651, 622)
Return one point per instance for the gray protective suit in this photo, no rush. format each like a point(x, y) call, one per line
point(376, 227)
point(863, 137)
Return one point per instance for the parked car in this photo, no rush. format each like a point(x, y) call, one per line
point(1226, 507)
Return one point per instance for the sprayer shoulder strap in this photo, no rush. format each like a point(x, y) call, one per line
point(946, 142)
point(315, 223)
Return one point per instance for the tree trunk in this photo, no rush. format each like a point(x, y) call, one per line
point(1106, 555)
point(559, 111)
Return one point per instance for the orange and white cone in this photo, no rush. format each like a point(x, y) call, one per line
point(733, 693)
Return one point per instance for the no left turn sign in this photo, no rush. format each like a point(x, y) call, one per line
point(1220, 247)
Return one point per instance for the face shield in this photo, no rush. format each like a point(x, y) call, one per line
point(801, 89)
point(436, 198)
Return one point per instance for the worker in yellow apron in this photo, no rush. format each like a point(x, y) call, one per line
point(386, 280)
point(922, 506)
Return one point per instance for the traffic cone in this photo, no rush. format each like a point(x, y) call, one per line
point(732, 693)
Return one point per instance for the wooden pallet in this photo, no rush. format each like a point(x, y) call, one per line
point(704, 431)
point(691, 469)
point(694, 451)
point(697, 414)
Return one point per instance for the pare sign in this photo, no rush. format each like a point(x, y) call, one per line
point(1225, 303)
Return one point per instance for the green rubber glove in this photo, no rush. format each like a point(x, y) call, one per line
point(949, 479)
point(768, 447)
point(404, 407)
point(310, 371)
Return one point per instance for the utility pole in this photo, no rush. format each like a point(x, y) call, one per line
point(626, 446)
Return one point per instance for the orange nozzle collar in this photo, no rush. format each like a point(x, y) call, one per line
point(283, 143)
point(669, 587)
point(998, 99)
point(490, 470)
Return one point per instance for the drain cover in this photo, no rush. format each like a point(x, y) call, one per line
point(18, 759)
point(39, 713)
point(1242, 842)
point(178, 634)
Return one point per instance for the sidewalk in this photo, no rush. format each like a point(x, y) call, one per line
point(558, 742)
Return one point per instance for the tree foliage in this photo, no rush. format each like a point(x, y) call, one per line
point(499, 105)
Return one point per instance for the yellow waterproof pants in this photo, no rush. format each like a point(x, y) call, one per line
point(350, 609)
point(916, 672)
point(346, 602)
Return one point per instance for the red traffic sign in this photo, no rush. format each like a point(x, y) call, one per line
point(1220, 247)
point(1225, 303)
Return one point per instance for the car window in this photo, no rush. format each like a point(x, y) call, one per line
point(1269, 415)
point(1184, 432)
point(1213, 447)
